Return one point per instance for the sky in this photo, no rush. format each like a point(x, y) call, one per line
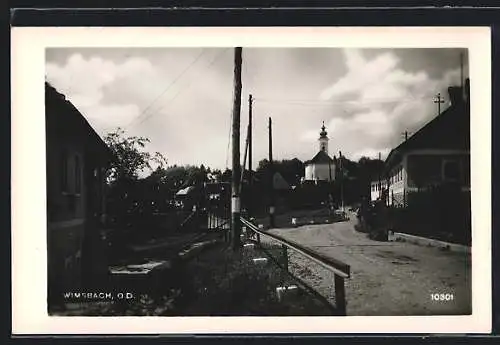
point(182, 98)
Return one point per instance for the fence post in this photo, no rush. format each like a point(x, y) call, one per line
point(340, 294)
point(285, 256)
point(284, 272)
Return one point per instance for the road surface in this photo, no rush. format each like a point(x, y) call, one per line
point(387, 278)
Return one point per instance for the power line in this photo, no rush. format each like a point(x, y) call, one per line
point(328, 103)
point(169, 86)
point(180, 90)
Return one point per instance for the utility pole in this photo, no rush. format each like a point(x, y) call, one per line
point(271, 173)
point(462, 71)
point(380, 177)
point(341, 181)
point(439, 100)
point(250, 173)
point(243, 166)
point(235, 200)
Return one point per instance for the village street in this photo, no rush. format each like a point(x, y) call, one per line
point(387, 278)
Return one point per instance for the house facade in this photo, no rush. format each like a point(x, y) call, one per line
point(377, 189)
point(321, 167)
point(437, 155)
point(76, 166)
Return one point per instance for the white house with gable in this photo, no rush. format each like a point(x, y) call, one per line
point(321, 167)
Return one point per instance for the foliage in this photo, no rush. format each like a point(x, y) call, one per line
point(292, 170)
point(130, 157)
point(228, 283)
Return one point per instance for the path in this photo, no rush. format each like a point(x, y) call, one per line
point(388, 278)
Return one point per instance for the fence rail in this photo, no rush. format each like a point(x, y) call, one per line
point(340, 269)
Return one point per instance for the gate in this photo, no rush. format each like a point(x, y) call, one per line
point(218, 206)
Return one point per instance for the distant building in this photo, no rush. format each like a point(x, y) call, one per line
point(377, 189)
point(438, 154)
point(321, 167)
point(76, 166)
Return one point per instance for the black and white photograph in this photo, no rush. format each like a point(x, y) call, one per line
point(241, 180)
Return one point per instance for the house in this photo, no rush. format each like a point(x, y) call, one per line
point(76, 168)
point(321, 167)
point(377, 189)
point(437, 155)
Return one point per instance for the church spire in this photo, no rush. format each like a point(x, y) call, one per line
point(323, 139)
point(323, 132)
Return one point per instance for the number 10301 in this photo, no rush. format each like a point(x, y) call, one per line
point(439, 297)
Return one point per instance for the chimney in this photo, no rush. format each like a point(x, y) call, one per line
point(456, 95)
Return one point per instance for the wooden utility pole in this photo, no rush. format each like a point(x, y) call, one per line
point(462, 71)
point(439, 100)
point(380, 177)
point(271, 175)
point(250, 110)
point(243, 166)
point(235, 200)
point(341, 181)
point(250, 173)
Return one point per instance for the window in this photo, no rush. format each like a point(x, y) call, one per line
point(451, 170)
point(78, 175)
point(64, 171)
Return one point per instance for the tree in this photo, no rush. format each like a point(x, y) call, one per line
point(126, 192)
point(369, 170)
point(130, 157)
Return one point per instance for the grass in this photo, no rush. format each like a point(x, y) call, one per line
point(228, 283)
point(217, 282)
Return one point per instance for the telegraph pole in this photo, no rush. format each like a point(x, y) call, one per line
point(243, 166)
point(341, 180)
point(380, 177)
point(271, 170)
point(250, 174)
point(462, 71)
point(439, 100)
point(235, 200)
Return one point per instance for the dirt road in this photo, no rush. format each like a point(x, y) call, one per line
point(387, 278)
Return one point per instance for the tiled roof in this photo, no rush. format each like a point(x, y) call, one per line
point(321, 158)
point(449, 130)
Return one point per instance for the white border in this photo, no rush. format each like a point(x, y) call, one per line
point(28, 173)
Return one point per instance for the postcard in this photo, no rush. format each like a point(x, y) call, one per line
point(251, 180)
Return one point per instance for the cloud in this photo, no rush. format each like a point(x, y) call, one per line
point(382, 101)
point(370, 153)
point(361, 75)
point(368, 97)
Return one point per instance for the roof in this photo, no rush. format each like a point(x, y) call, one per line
point(57, 106)
point(448, 131)
point(218, 187)
point(184, 191)
point(321, 158)
point(279, 182)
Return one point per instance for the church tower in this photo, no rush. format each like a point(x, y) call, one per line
point(323, 139)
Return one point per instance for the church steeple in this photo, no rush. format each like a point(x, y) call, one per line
point(323, 132)
point(323, 139)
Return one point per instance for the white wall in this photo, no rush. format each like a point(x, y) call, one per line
point(319, 172)
point(397, 183)
point(376, 189)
